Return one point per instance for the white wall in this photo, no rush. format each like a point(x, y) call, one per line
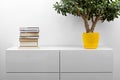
point(55, 29)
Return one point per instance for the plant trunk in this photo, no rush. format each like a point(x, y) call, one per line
point(93, 26)
point(94, 23)
point(88, 30)
point(86, 25)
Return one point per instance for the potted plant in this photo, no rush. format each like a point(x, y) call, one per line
point(91, 11)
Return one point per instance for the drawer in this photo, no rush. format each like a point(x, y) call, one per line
point(88, 76)
point(32, 76)
point(86, 61)
point(31, 61)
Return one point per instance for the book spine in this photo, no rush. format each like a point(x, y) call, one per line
point(28, 44)
point(29, 37)
point(30, 34)
point(29, 29)
point(28, 40)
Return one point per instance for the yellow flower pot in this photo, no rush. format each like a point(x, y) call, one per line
point(91, 40)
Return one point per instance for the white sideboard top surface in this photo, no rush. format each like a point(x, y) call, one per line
point(59, 48)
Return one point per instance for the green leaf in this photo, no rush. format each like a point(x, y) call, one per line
point(107, 9)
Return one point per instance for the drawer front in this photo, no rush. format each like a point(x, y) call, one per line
point(32, 76)
point(86, 61)
point(32, 61)
point(80, 76)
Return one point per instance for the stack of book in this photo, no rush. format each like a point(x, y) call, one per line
point(29, 36)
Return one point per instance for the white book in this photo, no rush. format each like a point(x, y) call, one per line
point(28, 44)
point(29, 28)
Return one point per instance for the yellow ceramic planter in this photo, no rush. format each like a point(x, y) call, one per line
point(91, 40)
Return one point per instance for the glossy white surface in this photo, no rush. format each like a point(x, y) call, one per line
point(58, 48)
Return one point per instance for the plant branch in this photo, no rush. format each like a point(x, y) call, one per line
point(92, 20)
point(86, 24)
point(85, 19)
point(94, 23)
